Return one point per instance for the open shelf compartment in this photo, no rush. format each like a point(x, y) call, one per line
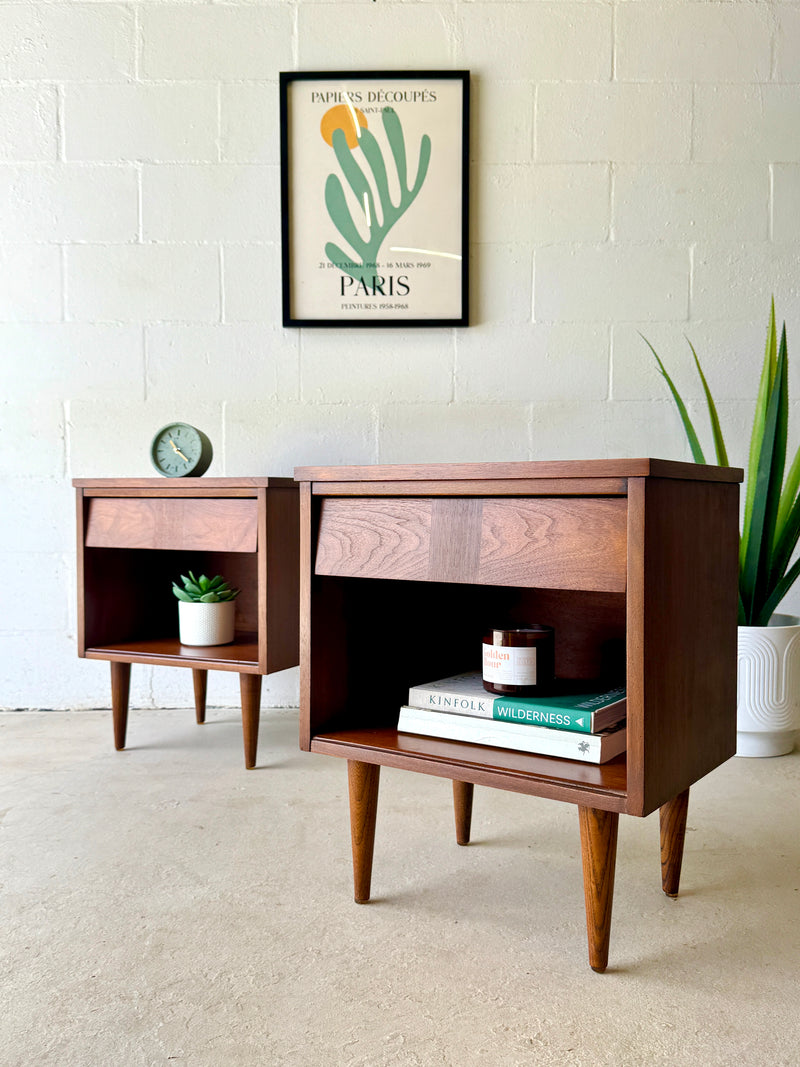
point(130, 612)
point(372, 640)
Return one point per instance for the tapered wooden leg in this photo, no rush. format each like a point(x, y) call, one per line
point(672, 820)
point(250, 686)
point(363, 780)
point(120, 693)
point(462, 803)
point(599, 855)
point(200, 679)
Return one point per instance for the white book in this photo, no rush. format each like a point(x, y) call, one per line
point(589, 748)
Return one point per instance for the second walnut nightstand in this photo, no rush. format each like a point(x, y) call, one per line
point(136, 535)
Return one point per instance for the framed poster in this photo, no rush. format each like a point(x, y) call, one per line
point(374, 198)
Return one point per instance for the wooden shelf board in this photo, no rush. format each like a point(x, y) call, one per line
point(598, 785)
point(241, 655)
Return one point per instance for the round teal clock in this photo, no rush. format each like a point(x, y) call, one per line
point(181, 451)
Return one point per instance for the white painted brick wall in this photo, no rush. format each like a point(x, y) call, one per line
point(274, 438)
point(31, 285)
point(66, 42)
point(251, 276)
point(393, 36)
point(344, 367)
point(611, 282)
point(249, 126)
point(636, 170)
point(556, 203)
point(216, 42)
point(694, 42)
point(619, 122)
point(787, 43)
point(688, 202)
point(222, 202)
point(61, 359)
point(786, 203)
point(221, 354)
point(28, 122)
point(66, 202)
point(133, 121)
point(453, 432)
point(143, 283)
point(539, 363)
point(504, 114)
point(559, 41)
point(730, 282)
point(747, 123)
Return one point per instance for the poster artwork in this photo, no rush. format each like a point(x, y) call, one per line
point(374, 212)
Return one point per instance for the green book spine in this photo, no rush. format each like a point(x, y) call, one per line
point(579, 721)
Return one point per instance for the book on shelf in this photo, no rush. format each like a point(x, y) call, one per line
point(568, 708)
point(590, 748)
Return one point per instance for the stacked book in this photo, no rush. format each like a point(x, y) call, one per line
point(575, 724)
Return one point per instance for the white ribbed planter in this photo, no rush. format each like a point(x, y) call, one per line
point(206, 624)
point(768, 688)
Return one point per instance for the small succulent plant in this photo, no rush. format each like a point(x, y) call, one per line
point(203, 590)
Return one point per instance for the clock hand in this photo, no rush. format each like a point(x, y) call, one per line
point(176, 449)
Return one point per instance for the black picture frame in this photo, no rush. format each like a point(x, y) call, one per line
point(415, 194)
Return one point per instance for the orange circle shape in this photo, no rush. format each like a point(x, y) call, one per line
point(341, 118)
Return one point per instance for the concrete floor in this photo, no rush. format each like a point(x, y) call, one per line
point(165, 906)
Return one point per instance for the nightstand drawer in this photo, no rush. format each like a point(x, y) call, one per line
point(201, 525)
point(544, 542)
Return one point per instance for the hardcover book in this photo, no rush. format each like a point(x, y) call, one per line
point(586, 712)
point(589, 748)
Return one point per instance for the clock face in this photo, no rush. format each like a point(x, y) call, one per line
point(180, 450)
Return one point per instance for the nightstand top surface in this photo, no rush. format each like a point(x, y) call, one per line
point(593, 468)
point(183, 484)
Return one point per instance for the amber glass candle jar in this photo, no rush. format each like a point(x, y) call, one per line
point(519, 660)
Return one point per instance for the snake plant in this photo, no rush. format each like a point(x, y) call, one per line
point(771, 522)
point(203, 590)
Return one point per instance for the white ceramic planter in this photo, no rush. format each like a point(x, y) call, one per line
point(206, 624)
point(768, 688)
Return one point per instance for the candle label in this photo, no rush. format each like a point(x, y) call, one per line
point(509, 664)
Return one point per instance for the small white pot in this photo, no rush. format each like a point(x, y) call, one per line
point(768, 687)
point(206, 624)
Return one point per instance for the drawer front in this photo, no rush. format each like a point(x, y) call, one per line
point(202, 525)
point(546, 542)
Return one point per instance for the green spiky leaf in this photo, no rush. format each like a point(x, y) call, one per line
point(771, 522)
point(716, 431)
point(688, 426)
point(776, 595)
point(756, 567)
point(789, 494)
point(757, 434)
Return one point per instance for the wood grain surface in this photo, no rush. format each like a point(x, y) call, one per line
point(562, 469)
point(566, 543)
point(205, 525)
point(599, 857)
